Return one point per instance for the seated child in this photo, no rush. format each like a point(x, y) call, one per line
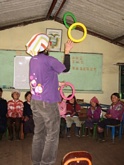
point(3, 112)
point(14, 114)
point(27, 114)
point(113, 116)
point(62, 110)
point(93, 115)
point(73, 109)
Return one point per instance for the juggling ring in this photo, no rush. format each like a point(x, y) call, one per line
point(64, 19)
point(71, 27)
point(73, 91)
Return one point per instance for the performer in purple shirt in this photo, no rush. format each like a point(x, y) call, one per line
point(113, 115)
point(43, 76)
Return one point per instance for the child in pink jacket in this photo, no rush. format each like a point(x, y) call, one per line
point(62, 111)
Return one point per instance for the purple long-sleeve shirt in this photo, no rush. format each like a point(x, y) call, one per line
point(116, 111)
point(95, 114)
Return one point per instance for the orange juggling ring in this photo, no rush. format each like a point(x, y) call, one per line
point(73, 91)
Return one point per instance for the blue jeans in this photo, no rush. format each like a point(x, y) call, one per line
point(46, 132)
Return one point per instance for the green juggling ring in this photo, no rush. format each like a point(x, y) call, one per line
point(65, 16)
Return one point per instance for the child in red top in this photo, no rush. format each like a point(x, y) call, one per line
point(14, 114)
point(73, 109)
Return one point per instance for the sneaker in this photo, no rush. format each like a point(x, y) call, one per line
point(1, 135)
point(68, 135)
point(101, 140)
point(83, 135)
point(77, 135)
point(17, 139)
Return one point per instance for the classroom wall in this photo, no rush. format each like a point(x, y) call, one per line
point(16, 38)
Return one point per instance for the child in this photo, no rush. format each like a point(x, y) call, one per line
point(93, 115)
point(62, 110)
point(27, 113)
point(3, 112)
point(113, 116)
point(14, 114)
point(73, 108)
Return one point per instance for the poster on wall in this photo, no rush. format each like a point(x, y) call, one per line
point(55, 36)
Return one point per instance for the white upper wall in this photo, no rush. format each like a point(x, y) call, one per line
point(16, 38)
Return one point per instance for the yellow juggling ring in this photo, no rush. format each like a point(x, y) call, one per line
point(72, 26)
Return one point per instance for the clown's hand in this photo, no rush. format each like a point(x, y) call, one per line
point(62, 83)
point(68, 46)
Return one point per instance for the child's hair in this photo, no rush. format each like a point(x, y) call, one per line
point(1, 90)
point(13, 91)
point(75, 101)
point(115, 94)
point(27, 93)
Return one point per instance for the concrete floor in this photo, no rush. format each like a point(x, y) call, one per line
point(107, 153)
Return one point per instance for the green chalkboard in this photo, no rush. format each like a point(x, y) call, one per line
point(6, 68)
point(85, 73)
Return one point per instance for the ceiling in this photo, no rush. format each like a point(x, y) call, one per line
point(103, 18)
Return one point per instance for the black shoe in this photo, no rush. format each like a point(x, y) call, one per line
point(1, 135)
point(11, 138)
point(61, 135)
point(17, 138)
point(25, 135)
point(68, 133)
point(86, 131)
point(116, 134)
point(91, 132)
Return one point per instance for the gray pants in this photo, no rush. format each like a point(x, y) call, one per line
point(46, 132)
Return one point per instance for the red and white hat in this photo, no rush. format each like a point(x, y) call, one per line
point(15, 91)
point(38, 43)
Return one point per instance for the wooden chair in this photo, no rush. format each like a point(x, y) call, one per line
point(77, 158)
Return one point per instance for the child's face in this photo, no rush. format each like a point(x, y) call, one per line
point(71, 101)
point(93, 104)
point(16, 95)
point(28, 98)
point(114, 99)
